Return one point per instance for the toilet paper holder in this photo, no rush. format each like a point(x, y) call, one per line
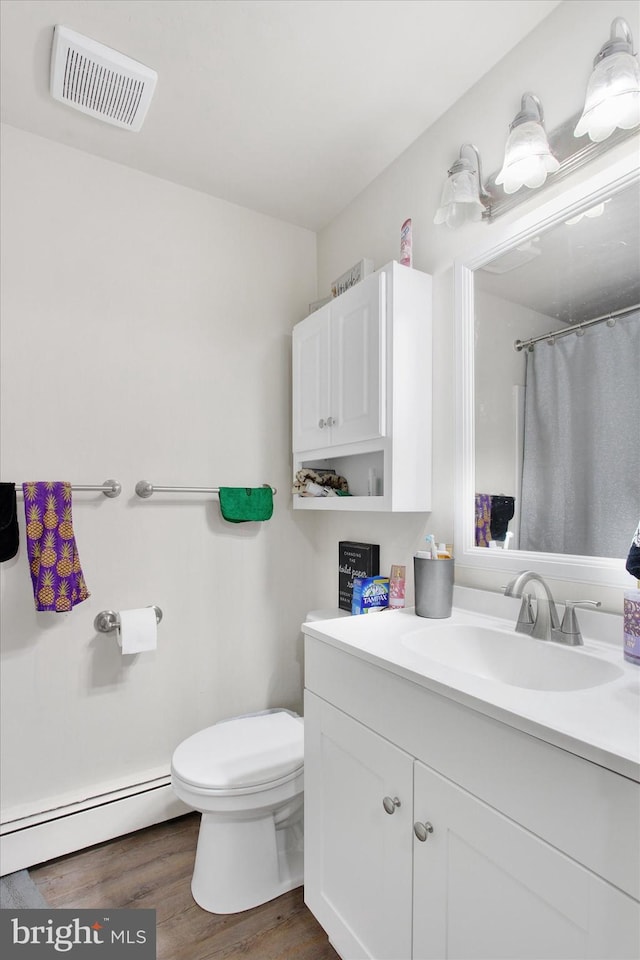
point(108, 620)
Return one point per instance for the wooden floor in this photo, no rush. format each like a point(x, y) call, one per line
point(152, 869)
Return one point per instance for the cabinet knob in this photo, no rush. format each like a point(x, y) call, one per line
point(422, 830)
point(322, 423)
point(390, 804)
point(331, 421)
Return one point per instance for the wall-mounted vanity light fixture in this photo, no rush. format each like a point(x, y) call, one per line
point(534, 158)
point(527, 157)
point(463, 189)
point(613, 91)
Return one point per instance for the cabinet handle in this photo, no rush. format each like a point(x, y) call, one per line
point(422, 830)
point(331, 421)
point(390, 804)
point(322, 423)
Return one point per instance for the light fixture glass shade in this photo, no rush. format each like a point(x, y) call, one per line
point(527, 158)
point(590, 214)
point(461, 200)
point(613, 97)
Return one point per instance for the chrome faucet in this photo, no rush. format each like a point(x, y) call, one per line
point(545, 624)
point(546, 616)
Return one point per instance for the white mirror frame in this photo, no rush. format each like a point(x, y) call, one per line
point(594, 570)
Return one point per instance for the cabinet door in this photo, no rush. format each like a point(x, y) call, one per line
point(357, 856)
point(486, 888)
point(357, 393)
point(310, 362)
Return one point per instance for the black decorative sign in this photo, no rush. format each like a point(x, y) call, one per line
point(355, 560)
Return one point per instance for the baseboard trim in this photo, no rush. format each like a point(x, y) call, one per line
point(32, 840)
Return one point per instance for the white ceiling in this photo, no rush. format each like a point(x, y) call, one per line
point(289, 107)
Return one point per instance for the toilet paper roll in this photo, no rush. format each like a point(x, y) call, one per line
point(138, 630)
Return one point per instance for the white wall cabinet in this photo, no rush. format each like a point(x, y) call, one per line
point(362, 393)
point(447, 874)
point(337, 370)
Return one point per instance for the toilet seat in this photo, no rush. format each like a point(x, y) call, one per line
point(197, 790)
point(243, 755)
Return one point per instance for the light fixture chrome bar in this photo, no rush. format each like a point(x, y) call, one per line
point(577, 328)
point(144, 489)
point(110, 488)
point(563, 146)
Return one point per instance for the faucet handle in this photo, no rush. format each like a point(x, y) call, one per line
point(569, 624)
point(526, 618)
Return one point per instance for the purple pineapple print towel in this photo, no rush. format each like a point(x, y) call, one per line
point(483, 519)
point(58, 582)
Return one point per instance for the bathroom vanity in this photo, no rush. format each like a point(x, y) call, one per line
point(470, 792)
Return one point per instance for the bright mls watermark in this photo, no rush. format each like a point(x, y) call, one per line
point(79, 934)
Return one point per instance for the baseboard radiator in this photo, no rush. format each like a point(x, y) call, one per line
point(33, 839)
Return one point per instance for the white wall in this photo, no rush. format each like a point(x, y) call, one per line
point(498, 369)
point(145, 335)
point(554, 62)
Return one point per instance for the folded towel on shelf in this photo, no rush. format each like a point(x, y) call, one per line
point(56, 575)
point(307, 482)
point(242, 504)
point(9, 533)
point(483, 519)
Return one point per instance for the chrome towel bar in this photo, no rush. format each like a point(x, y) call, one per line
point(145, 489)
point(110, 488)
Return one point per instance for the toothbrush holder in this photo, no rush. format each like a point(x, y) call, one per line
point(433, 581)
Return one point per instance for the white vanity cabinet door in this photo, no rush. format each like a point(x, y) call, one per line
point(338, 389)
point(357, 856)
point(486, 888)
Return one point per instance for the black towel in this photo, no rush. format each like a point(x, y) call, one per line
point(632, 565)
point(9, 535)
point(502, 510)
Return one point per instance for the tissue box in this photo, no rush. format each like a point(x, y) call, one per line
point(355, 560)
point(370, 594)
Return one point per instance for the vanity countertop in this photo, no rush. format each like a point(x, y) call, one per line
point(599, 723)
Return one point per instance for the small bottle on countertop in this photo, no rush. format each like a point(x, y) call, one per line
point(397, 586)
point(631, 626)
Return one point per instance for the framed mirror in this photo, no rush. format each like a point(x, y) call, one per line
point(559, 279)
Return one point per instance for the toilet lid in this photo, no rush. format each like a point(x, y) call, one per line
point(243, 752)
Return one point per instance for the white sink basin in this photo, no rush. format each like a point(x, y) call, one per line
point(509, 657)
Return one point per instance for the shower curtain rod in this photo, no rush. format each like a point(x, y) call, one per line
point(578, 328)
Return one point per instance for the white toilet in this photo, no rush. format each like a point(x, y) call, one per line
point(245, 776)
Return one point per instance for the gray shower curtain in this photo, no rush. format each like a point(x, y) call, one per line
point(581, 465)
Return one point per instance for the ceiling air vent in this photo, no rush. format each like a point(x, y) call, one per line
point(100, 81)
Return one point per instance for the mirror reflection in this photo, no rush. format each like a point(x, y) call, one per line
point(557, 441)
